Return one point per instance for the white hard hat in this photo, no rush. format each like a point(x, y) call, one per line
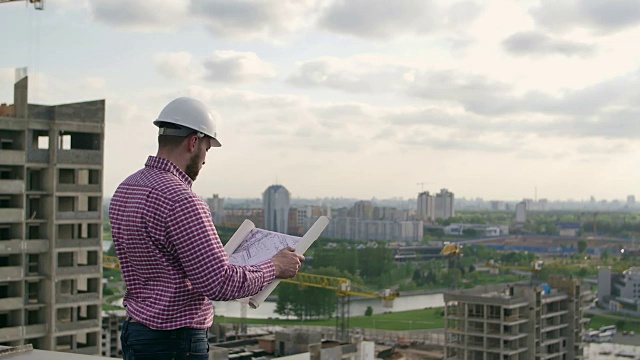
point(186, 115)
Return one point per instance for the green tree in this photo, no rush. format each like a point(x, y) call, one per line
point(369, 311)
point(582, 246)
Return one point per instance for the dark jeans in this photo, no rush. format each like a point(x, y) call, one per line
point(140, 342)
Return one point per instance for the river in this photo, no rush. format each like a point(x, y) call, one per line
point(357, 307)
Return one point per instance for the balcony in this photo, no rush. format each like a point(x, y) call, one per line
point(10, 333)
point(78, 243)
point(35, 330)
point(77, 325)
point(68, 299)
point(73, 188)
point(556, 313)
point(38, 155)
point(11, 186)
point(78, 270)
point(78, 215)
point(10, 246)
point(36, 246)
point(12, 303)
point(85, 157)
point(12, 157)
point(9, 273)
point(12, 215)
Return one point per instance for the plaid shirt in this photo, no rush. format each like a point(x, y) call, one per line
point(172, 260)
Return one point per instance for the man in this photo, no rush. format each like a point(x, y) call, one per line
point(172, 260)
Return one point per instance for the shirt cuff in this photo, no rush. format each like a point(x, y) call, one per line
point(268, 271)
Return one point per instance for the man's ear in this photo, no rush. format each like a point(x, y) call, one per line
point(192, 143)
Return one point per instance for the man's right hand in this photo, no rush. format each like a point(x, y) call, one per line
point(287, 263)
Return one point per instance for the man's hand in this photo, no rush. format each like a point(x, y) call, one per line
point(287, 263)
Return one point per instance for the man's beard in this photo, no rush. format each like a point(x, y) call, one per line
point(193, 167)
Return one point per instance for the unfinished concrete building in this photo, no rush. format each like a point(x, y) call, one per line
point(51, 163)
point(516, 322)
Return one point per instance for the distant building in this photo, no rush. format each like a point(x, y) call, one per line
point(521, 212)
point(362, 210)
point(619, 292)
point(216, 206)
point(498, 205)
point(234, 217)
point(516, 321)
point(568, 228)
point(385, 230)
point(425, 207)
point(276, 204)
point(302, 218)
point(443, 205)
point(631, 200)
point(480, 229)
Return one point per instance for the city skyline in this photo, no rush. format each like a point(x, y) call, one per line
point(491, 99)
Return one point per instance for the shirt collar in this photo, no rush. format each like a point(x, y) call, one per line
point(158, 163)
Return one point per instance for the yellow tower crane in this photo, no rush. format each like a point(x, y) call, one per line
point(344, 288)
point(37, 4)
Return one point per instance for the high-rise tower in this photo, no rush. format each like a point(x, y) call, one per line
point(276, 204)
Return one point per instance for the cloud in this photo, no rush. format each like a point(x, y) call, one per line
point(386, 19)
point(458, 90)
point(140, 15)
point(221, 66)
point(599, 16)
point(358, 74)
point(254, 18)
point(177, 65)
point(538, 43)
point(234, 66)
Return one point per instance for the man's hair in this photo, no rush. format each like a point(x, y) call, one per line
point(170, 142)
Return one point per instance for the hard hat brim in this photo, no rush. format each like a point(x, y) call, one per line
point(215, 142)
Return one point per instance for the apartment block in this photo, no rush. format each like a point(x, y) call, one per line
point(51, 169)
point(356, 229)
point(516, 322)
point(434, 207)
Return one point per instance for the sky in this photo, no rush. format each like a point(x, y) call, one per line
point(500, 100)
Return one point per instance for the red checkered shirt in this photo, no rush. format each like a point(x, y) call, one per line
point(172, 260)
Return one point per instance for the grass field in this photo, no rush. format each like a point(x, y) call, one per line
point(623, 324)
point(406, 320)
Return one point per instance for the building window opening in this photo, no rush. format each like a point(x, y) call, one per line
point(41, 140)
point(33, 289)
point(64, 342)
point(34, 180)
point(65, 259)
point(66, 204)
point(94, 177)
point(79, 141)
point(66, 176)
point(34, 208)
point(5, 232)
point(33, 267)
point(94, 203)
point(7, 173)
point(65, 142)
point(33, 232)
